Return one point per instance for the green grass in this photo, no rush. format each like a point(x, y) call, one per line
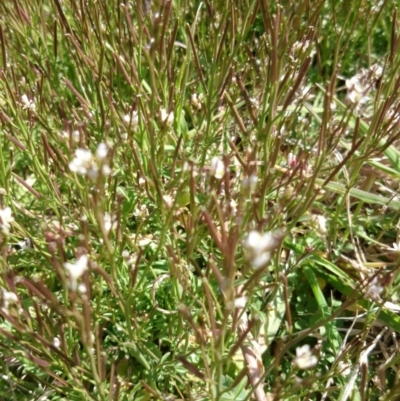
point(245, 204)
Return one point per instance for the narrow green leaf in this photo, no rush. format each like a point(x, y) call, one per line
point(364, 196)
point(275, 315)
point(333, 335)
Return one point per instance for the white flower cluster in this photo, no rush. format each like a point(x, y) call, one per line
point(360, 85)
point(130, 259)
point(259, 247)
point(196, 101)
point(110, 222)
point(27, 104)
point(304, 358)
point(167, 118)
point(131, 119)
point(76, 270)
point(6, 219)
point(168, 200)
point(141, 212)
point(86, 164)
point(356, 92)
point(8, 299)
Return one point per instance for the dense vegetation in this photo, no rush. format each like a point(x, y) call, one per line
point(199, 200)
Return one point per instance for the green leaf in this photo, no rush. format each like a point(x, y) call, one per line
point(331, 267)
point(334, 337)
point(275, 314)
point(238, 393)
point(391, 319)
point(364, 196)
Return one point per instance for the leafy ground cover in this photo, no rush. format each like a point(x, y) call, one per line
point(199, 200)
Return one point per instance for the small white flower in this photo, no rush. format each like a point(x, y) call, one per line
point(241, 302)
point(6, 219)
point(131, 119)
point(82, 288)
point(377, 71)
point(321, 223)
point(257, 243)
point(196, 101)
point(76, 270)
point(84, 163)
point(8, 298)
point(56, 342)
point(217, 168)
point(27, 104)
point(354, 84)
point(167, 117)
point(130, 259)
point(356, 93)
point(259, 247)
point(109, 222)
point(304, 358)
point(24, 245)
point(75, 135)
point(141, 211)
point(101, 151)
point(354, 97)
point(24, 99)
point(168, 200)
point(106, 170)
point(261, 260)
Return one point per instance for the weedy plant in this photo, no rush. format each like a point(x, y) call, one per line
point(199, 200)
